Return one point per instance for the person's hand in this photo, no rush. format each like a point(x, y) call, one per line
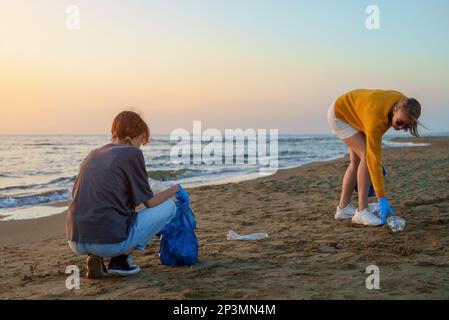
point(384, 208)
point(182, 195)
point(175, 188)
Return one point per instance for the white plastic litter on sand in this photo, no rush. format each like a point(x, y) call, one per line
point(396, 224)
point(253, 236)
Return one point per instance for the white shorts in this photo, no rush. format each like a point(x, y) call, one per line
point(340, 128)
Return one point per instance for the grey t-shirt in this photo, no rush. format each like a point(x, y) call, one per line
point(111, 182)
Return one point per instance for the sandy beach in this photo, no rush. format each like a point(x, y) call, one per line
point(308, 254)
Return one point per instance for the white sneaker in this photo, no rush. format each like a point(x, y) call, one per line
point(345, 213)
point(366, 217)
point(373, 207)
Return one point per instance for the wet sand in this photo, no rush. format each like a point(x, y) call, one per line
point(308, 254)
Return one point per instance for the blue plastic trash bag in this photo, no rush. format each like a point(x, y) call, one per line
point(371, 192)
point(179, 245)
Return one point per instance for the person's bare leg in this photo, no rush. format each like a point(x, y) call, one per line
point(349, 179)
point(363, 180)
point(357, 143)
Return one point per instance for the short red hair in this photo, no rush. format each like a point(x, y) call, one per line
point(129, 124)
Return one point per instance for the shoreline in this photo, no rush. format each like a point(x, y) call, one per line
point(16, 224)
point(25, 213)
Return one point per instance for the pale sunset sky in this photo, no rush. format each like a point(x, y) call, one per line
point(231, 64)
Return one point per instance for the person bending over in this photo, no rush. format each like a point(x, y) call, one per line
point(360, 118)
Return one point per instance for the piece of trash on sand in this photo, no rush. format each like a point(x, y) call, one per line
point(396, 223)
point(253, 236)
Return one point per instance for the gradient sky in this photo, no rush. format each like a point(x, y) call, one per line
point(248, 64)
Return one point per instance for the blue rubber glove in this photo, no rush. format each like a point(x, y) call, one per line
point(182, 195)
point(384, 208)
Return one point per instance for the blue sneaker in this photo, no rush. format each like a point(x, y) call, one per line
point(123, 265)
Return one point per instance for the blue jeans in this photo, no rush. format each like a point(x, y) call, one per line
point(148, 223)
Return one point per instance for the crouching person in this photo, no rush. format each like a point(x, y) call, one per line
point(111, 183)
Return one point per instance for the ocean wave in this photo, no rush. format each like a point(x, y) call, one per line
point(5, 175)
point(246, 156)
point(399, 144)
point(61, 180)
point(20, 187)
point(292, 153)
point(159, 140)
point(305, 139)
point(160, 157)
point(41, 144)
point(171, 175)
point(44, 197)
point(164, 175)
point(58, 144)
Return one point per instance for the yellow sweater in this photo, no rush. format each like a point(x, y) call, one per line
point(367, 111)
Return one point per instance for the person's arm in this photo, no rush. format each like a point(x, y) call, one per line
point(374, 160)
point(161, 196)
point(374, 163)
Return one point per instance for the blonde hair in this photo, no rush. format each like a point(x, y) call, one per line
point(413, 109)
